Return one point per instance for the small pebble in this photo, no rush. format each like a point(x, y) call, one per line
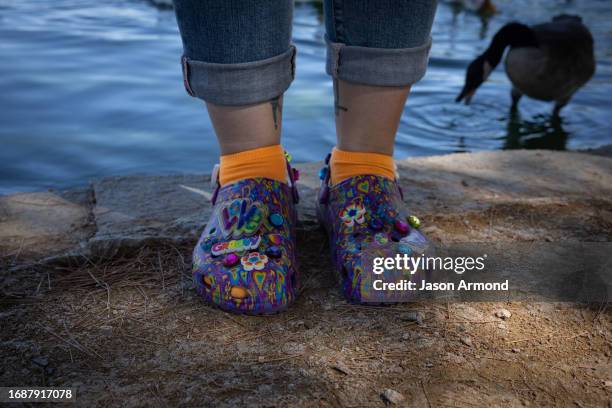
point(467, 341)
point(341, 368)
point(41, 361)
point(503, 314)
point(293, 348)
point(516, 350)
point(106, 331)
point(392, 396)
point(412, 317)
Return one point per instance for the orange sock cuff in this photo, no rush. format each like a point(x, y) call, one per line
point(267, 162)
point(345, 164)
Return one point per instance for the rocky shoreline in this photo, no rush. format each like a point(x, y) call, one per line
point(116, 212)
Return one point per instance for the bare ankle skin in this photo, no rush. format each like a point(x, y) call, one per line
point(367, 117)
point(240, 128)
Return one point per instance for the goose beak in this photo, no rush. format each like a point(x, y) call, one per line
point(466, 95)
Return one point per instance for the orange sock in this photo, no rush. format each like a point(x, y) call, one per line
point(267, 162)
point(345, 164)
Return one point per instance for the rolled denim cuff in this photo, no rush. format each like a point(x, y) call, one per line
point(377, 66)
point(239, 84)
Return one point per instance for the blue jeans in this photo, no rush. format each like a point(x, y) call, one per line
point(239, 52)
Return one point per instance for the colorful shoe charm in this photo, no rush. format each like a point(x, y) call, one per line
point(366, 217)
point(245, 259)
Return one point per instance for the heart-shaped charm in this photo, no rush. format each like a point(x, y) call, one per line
point(363, 186)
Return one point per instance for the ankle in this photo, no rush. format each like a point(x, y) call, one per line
point(346, 164)
point(363, 144)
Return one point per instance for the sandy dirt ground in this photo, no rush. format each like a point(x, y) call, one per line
point(131, 331)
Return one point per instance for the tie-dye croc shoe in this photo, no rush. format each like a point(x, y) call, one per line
point(245, 260)
point(365, 218)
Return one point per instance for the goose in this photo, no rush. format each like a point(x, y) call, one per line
point(483, 7)
point(548, 61)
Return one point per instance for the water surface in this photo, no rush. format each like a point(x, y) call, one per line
point(93, 88)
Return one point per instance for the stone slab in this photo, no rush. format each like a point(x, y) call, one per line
point(34, 225)
point(120, 211)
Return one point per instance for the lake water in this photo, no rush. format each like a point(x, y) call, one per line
point(93, 88)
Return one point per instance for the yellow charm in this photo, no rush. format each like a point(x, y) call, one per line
point(414, 221)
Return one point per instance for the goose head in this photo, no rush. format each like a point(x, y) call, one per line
point(478, 71)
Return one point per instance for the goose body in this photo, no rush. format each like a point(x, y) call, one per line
point(561, 64)
point(548, 62)
point(477, 6)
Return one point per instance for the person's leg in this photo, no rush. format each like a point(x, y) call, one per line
point(376, 50)
point(239, 60)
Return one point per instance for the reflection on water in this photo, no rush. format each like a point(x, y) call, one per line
point(543, 132)
point(94, 88)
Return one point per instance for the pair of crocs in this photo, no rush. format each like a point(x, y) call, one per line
point(245, 261)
